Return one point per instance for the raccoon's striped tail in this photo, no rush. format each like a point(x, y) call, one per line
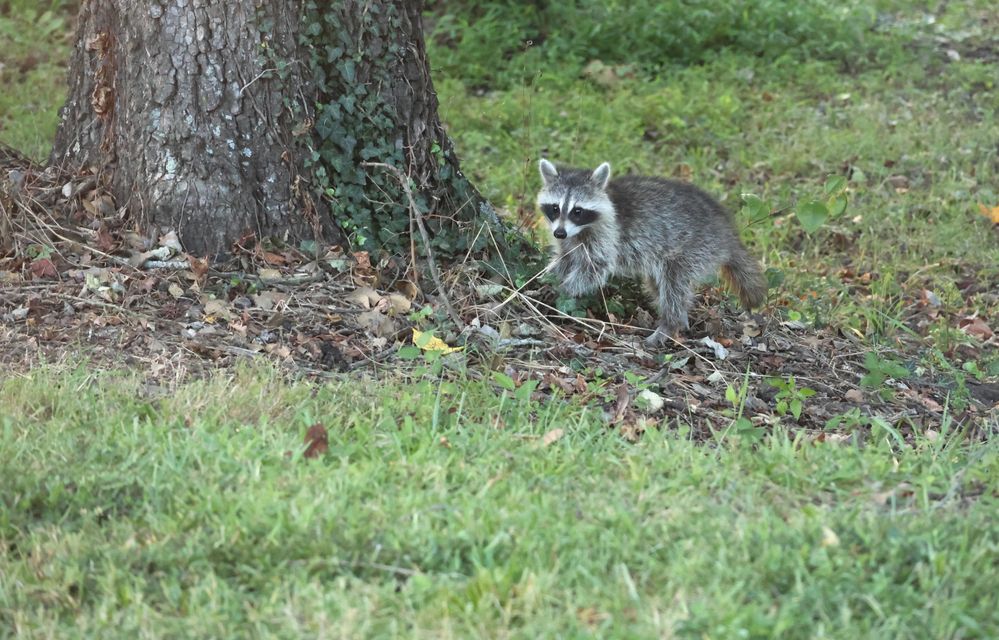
point(743, 275)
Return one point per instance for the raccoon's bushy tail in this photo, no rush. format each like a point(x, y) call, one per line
point(743, 275)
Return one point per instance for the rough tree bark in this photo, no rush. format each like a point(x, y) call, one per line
point(218, 118)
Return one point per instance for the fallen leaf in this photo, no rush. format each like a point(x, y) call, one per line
point(488, 290)
point(269, 274)
point(376, 323)
point(990, 213)
point(270, 299)
point(217, 308)
point(316, 441)
point(170, 241)
point(199, 267)
point(175, 290)
point(399, 304)
point(720, 351)
point(650, 401)
point(552, 437)
point(43, 268)
point(363, 260)
point(364, 297)
point(621, 403)
point(829, 537)
point(854, 395)
point(976, 327)
point(432, 343)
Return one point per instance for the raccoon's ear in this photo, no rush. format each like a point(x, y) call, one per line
point(601, 175)
point(548, 171)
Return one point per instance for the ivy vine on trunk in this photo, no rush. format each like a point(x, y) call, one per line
point(224, 118)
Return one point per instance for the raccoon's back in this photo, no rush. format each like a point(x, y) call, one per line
point(679, 211)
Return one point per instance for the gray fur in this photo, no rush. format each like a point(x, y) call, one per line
point(671, 234)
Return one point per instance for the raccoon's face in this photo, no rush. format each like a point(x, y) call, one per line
point(574, 200)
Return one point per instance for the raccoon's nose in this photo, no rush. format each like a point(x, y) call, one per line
point(559, 233)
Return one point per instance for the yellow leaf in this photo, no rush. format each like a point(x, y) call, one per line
point(432, 343)
point(992, 214)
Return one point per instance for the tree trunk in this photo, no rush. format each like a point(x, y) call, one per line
point(220, 118)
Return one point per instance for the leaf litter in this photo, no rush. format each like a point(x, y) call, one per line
point(84, 285)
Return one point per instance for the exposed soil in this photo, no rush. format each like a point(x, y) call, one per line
point(78, 287)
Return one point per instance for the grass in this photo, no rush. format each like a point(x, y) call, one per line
point(439, 512)
point(912, 132)
point(37, 39)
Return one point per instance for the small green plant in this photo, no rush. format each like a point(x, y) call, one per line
point(971, 367)
point(790, 399)
point(741, 426)
point(880, 369)
point(638, 382)
point(849, 421)
point(521, 393)
point(814, 213)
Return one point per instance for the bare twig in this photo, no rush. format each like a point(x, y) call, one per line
point(414, 210)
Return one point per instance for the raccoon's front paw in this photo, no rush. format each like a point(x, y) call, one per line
point(658, 338)
point(666, 331)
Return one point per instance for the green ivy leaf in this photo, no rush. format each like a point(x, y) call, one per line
point(754, 207)
point(835, 184)
point(812, 215)
point(837, 205)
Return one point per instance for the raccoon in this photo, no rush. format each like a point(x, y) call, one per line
point(671, 234)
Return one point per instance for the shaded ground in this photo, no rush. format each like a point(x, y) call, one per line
point(85, 289)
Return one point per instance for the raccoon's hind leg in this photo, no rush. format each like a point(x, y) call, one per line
point(674, 288)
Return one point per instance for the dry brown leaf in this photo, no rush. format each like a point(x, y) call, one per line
point(976, 327)
point(621, 403)
point(408, 289)
point(399, 304)
point(363, 260)
point(269, 274)
point(364, 297)
point(854, 395)
point(271, 258)
point(378, 324)
point(270, 299)
point(43, 268)
point(316, 441)
point(199, 267)
point(217, 308)
point(552, 437)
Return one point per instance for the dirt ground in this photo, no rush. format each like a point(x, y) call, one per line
point(78, 287)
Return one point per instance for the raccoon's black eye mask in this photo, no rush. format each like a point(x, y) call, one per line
point(582, 216)
point(550, 211)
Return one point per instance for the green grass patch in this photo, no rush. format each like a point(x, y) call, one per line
point(438, 511)
point(911, 138)
point(36, 40)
